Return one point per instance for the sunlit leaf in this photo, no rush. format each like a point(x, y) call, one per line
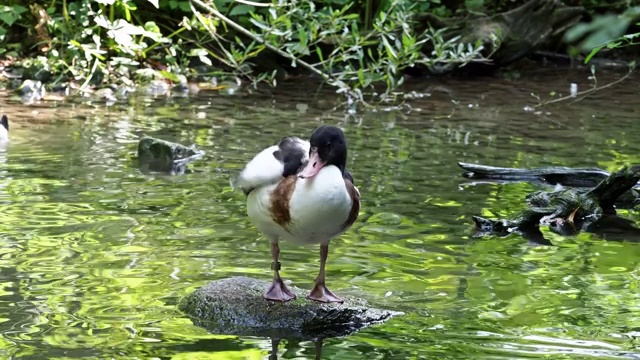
point(259, 24)
point(205, 59)
point(169, 75)
point(152, 27)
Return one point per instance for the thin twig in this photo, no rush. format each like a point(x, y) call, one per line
point(586, 93)
point(251, 3)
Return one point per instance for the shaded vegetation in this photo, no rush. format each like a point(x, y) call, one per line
point(352, 45)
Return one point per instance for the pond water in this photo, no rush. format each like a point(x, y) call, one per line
point(95, 255)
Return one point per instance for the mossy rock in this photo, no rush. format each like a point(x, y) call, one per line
point(165, 156)
point(235, 306)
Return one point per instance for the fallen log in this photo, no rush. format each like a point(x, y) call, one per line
point(566, 211)
point(553, 175)
point(235, 306)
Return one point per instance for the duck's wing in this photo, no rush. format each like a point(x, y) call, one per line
point(293, 154)
point(285, 158)
point(347, 175)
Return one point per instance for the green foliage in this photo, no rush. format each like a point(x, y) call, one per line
point(8, 16)
point(604, 31)
point(332, 40)
point(108, 37)
point(352, 45)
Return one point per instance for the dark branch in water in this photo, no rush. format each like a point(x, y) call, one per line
point(554, 175)
point(566, 211)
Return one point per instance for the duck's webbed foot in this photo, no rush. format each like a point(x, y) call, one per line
point(321, 293)
point(278, 291)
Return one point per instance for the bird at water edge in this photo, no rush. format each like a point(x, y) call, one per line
point(301, 191)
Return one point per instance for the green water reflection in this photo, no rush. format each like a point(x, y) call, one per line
point(95, 255)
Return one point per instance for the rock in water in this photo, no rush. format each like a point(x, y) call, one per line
point(235, 306)
point(165, 156)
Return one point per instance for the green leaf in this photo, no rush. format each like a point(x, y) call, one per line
point(7, 18)
point(241, 9)
point(474, 5)
point(185, 6)
point(302, 37)
point(152, 27)
point(598, 32)
point(10, 14)
point(170, 76)
point(390, 52)
point(592, 53)
point(319, 52)
point(221, 5)
point(17, 9)
point(259, 24)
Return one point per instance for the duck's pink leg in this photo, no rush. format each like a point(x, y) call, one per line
point(320, 291)
point(278, 291)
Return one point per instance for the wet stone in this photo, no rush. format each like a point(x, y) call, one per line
point(165, 156)
point(235, 306)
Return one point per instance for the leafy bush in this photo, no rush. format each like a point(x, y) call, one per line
point(352, 45)
point(604, 31)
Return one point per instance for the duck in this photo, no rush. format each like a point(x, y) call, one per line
point(301, 191)
point(4, 129)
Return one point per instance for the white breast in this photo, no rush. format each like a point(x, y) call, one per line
point(4, 134)
point(319, 207)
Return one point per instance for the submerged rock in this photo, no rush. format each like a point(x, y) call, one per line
point(165, 156)
point(235, 306)
point(31, 91)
